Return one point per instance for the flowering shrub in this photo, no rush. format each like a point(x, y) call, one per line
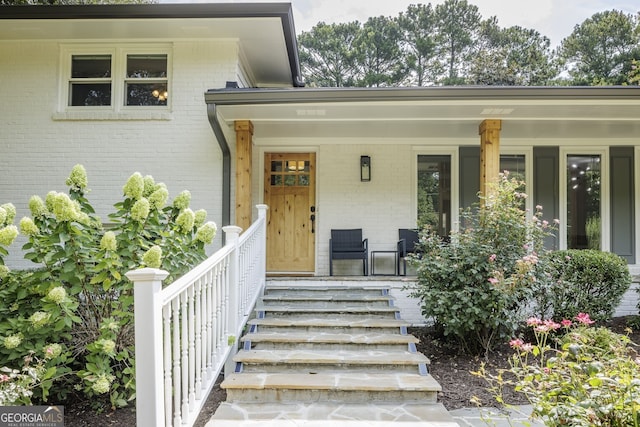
point(583, 280)
point(585, 377)
point(474, 286)
point(75, 310)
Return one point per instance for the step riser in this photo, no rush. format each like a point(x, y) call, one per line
point(328, 346)
point(303, 368)
point(345, 396)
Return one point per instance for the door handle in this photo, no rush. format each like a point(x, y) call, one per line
point(313, 223)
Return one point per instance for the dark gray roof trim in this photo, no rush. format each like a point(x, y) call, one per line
point(171, 11)
point(319, 95)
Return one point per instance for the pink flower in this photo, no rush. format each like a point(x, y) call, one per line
point(538, 207)
point(532, 321)
point(493, 280)
point(566, 323)
point(492, 257)
point(526, 347)
point(556, 221)
point(584, 319)
point(546, 370)
point(552, 325)
point(4, 378)
point(516, 343)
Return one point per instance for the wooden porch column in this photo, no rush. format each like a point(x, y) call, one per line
point(489, 153)
point(244, 142)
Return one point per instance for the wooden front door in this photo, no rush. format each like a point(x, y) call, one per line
point(289, 191)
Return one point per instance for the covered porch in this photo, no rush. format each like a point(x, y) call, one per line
point(280, 140)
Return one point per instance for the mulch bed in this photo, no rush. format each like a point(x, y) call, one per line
point(449, 367)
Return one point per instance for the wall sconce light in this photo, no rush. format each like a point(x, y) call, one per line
point(365, 168)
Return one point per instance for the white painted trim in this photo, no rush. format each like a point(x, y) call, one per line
point(118, 54)
point(421, 150)
point(527, 152)
point(636, 173)
point(605, 201)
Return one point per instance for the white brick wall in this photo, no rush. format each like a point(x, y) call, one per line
point(38, 149)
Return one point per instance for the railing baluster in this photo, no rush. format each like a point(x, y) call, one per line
point(175, 325)
point(192, 321)
point(198, 338)
point(166, 315)
point(184, 347)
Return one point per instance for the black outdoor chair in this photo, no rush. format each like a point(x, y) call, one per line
point(348, 244)
point(406, 245)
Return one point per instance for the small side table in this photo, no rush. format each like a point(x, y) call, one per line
point(384, 253)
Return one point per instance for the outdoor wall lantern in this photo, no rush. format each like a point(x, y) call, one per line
point(365, 168)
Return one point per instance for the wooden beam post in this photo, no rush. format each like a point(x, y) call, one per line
point(244, 143)
point(489, 153)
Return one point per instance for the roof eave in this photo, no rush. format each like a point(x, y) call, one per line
point(324, 95)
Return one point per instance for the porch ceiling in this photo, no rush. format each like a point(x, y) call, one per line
point(383, 115)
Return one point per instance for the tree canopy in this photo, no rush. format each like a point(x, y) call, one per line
point(452, 44)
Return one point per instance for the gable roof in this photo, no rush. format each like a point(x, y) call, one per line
point(265, 31)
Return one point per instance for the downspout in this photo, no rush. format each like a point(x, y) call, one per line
point(226, 165)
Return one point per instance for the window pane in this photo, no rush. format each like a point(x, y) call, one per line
point(90, 94)
point(434, 193)
point(276, 180)
point(514, 164)
point(583, 202)
point(90, 66)
point(276, 166)
point(303, 180)
point(147, 94)
point(289, 180)
point(146, 66)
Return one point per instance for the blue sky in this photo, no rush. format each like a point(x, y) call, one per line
point(552, 18)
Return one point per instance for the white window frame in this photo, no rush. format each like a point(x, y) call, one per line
point(455, 181)
point(118, 55)
point(605, 216)
point(527, 152)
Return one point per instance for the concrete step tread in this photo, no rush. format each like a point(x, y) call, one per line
point(327, 337)
point(338, 413)
point(371, 357)
point(346, 381)
point(335, 321)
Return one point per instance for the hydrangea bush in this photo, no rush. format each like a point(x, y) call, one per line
point(74, 310)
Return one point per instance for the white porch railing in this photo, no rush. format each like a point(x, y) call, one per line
point(186, 331)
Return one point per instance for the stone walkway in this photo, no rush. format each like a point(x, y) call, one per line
point(481, 417)
point(374, 415)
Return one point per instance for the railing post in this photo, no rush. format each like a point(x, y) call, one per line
point(262, 214)
point(232, 233)
point(148, 339)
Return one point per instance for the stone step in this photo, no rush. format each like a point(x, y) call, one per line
point(368, 310)
point(330, 387)
point(327, 300)
point(314, 361)
point(334, 414)
point(329, 341)
point(353, 324)
point(336, 293)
